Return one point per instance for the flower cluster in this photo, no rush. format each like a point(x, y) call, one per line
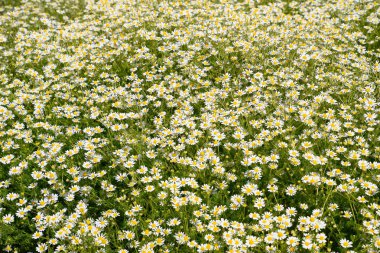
point(189, 126)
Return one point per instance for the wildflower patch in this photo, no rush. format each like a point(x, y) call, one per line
point(189, 126)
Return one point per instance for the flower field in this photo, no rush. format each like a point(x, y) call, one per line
point(189, 126)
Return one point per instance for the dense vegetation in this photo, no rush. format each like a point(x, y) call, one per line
point(189, 126)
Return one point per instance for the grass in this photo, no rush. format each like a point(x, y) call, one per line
point(161, 126)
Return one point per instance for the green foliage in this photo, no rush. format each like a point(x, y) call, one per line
point(189, 126)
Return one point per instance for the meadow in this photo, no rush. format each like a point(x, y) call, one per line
point(189, 126)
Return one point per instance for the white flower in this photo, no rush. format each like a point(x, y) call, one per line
point(345, 243)
point(8, 218)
